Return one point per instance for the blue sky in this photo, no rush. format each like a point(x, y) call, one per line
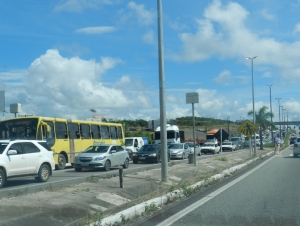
point(64, 57)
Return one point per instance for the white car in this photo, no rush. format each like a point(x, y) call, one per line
point(197, 148)
point(210, 147)
point(25, 158)
point(228, 146)
point(102, 156)
point(296, 148)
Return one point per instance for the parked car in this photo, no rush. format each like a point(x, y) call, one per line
point(102, 156)
point(296, 148)
point(19, 158)
point(210, 147)
point(179, 150)
point(148, 152)
point(228, 146)
point(197, 148)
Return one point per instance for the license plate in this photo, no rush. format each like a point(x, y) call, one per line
point(84, 164)
point(142, 157)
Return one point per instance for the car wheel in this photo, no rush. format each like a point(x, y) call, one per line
point(78, 169)
point(126, 163)
point(107, 165)
point(44, 173)
point(61, 162)
point(157, 160)
point(135, 161)
point(2, 178)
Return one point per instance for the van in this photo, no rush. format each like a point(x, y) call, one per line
point(134, 143)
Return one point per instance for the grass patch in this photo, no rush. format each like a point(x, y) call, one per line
point(92, 179)
point(222, 158)
point(17, 193)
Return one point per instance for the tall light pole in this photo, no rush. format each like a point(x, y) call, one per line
point(283, 118)
point(253, 109)
point(271, 110)
point(163, 126)
point(279, 98)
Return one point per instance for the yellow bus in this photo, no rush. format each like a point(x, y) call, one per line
point(66, 137)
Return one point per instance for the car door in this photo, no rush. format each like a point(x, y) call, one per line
point(16, 163)
point(33, 157)
point(114, 157)
point(187, 149)
point(121, 154)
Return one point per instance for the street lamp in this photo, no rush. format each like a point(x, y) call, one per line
point(271, 108)
point(279, 114)
point(253, 109)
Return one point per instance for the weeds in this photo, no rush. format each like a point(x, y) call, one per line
point(223, 158)
point(150, 208)
point(17, 193)
point(92, 179)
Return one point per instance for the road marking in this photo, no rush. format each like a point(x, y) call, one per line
point(182, 213)
point(112, 198)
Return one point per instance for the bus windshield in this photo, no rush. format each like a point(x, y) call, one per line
point(18, 129)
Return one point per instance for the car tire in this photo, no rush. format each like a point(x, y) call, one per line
point(44, 173)
point(157, 160)
point(61, 162)
point(135, 161)
point(78, 169)
point(2, 178)
point(107, 165)
point(126, 163)
point(214, 152)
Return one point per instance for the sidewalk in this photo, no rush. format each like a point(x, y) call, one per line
point(92, 201)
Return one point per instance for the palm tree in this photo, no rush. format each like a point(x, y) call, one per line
point(261, 119)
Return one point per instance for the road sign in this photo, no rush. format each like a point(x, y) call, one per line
point(248, 128)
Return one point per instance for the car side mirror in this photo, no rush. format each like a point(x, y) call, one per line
point(12, 152)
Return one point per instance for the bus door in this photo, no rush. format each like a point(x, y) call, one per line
point(74, 140)
point(61, 147)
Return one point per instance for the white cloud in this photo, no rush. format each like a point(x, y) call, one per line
point(171, 99)
point(222, 33)
point(265, 14)
point(224, 78)
point(70, 87)
point(96, 30)
point(297, 28)
point(149, 37)
point(80, 5)
point(145, 17)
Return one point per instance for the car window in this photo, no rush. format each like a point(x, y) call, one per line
point(16, 147)
point(30, 148)
point(2, 147)
point(175, 146)
point(149, 148)
point(45, 145)
point(113, 148)
point(96, 149)
point(119, 148)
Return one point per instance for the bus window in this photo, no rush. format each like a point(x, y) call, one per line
point(85, 131)
point(95, 132)
point(119, 132)
point(73, 131)
point(60, 130)
point(104, 132)
point(113, 132)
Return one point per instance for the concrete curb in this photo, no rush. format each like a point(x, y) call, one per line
point(139, 209)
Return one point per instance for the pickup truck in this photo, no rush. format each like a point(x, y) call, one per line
point(228, 146)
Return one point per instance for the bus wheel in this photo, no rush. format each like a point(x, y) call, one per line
point(61, 162)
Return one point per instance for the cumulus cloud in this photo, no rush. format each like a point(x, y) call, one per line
point(297, 28)
point(145, 17)
point(222, 33)
point(80, 5)
point(96, 30)
point(265, 14)
point(224, 78)
point(69, 87)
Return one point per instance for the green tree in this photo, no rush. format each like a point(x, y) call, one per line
point(261, 120)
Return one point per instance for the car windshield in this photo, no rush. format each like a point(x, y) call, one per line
point(175, 146)
point(2, 147)
point(128, 142)
point(149, 148)
point(235, 139)
point(96, 149)
point(191, 144)
point(227, 143)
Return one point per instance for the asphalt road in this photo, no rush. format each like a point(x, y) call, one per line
point(265, 195)
point(69, 176)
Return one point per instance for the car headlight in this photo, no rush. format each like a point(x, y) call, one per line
point(153, 155)
point(99, 158)
point(134, 154)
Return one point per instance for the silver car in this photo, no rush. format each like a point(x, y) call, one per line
point(102, 156)
point(179, 150)
point(197, 148)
